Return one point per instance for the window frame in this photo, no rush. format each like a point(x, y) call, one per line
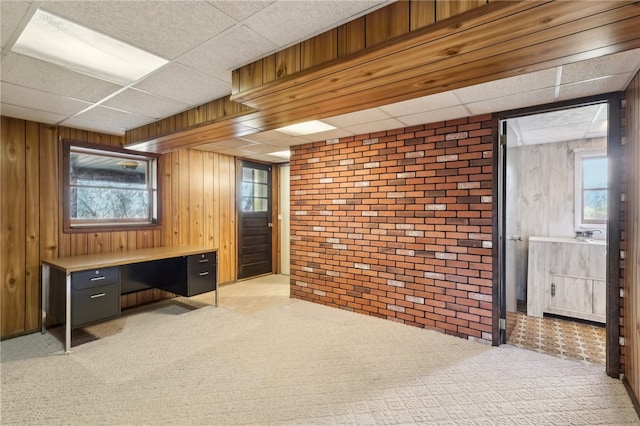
point(579, 222)
point(153, 186)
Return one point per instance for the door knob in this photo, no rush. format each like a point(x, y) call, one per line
point(515, 238)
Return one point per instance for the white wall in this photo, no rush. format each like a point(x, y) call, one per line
point(540, 192)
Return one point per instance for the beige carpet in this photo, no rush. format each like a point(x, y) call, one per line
point(293, 363)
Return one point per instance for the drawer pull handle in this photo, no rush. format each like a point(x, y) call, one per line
point(98, 278)
point(204, 274)
point(203, 260)
point(95, 296)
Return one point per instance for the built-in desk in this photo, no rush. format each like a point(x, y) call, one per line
point(84, 290)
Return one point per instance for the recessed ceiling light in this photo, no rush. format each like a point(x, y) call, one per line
point(306, 128)
point(53, 39)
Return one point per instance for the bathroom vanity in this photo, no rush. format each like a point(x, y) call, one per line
point(567, 276)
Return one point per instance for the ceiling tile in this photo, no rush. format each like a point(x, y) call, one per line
point(594, 87)
point(108, 118)
point(240, 10)
point(12, 13)
point(24, 71)
point(169, 83)
point(268, 158)
point(434, 116)
point(30, 114)
point(288, 22)
point(41, 101)
point(426, 103)
point(376, 126)
point(521, 100)
point(565, 118)
point(220, 55)
point(508, 86)
point(145, 104)
point(619, 63)
point(166, 28)
point(358, 117)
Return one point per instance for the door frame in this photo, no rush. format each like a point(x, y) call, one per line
point(614, 151)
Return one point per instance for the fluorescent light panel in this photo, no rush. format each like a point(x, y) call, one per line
point(281, 154)
point(306, 128)
point(53, 39)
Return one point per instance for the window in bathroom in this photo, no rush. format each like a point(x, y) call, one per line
point(591, 177)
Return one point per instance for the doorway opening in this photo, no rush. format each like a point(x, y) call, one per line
point(555, 222)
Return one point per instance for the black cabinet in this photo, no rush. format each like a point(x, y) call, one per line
point(201, 276)
point(95, 296)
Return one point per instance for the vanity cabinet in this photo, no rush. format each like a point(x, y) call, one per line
point(567, 277)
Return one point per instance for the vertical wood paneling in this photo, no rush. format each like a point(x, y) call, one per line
point(386, 23)
point(251, 75)
point(12, 227)
point(632, 272)
point(184, 231)
point(319, 49)
point(49, 188)
point(447, 8)
point(268, 69)
point(422, 13)
point(351, 37)
point(196, 196)
point(197, 207)
point(32, 226)
point(208, 211)
point(288, 61)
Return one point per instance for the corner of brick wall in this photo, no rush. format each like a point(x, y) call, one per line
point(398, 225)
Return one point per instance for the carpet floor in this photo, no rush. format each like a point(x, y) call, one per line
point(291, 362)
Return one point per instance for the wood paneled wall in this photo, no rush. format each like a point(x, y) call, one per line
point(396, 19)
point(197, 207)
point(632, 240)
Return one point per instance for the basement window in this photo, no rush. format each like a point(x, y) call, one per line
point(107, 188)
point(591, 187)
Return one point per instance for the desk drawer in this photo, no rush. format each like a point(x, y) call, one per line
point(94, 277)
point(95, 304)
point(201, 273)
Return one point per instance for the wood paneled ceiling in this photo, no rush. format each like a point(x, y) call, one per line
point(498, 40)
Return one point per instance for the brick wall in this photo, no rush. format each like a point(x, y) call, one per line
point(398, 225)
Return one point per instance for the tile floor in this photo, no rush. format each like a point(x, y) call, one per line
point(560, 337)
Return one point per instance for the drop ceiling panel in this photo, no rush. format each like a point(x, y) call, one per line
point(508, 86)
point(37, 100)
point(444, 114)
point(377, 126)
point(566, 118)
point(359, 117)
point(594, 87)
point(520, 100)
point(145, 104)
point(625, 62)
point(220, 55)
point(240, 10)
point(24, 71)
point(169, 83)
point(287, 22)
point(12, 13)
point(166, 28)
point(427, 103)
point(107, 118)
point(29, 114)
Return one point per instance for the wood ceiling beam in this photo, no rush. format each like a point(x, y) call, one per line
point(501, 39)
